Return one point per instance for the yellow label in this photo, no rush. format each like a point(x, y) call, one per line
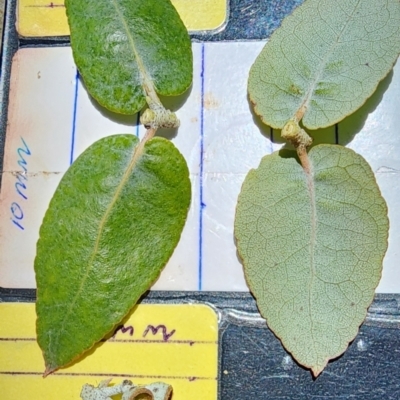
point(175, 344)
point(41, 18)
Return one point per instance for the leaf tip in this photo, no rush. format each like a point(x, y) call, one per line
point(49, 370)
point(316, 371)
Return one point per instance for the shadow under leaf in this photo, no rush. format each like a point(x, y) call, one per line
point(172, 103)
point(341, 133)
point(353, 124)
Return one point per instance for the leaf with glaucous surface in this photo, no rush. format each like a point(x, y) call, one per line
point(124, 47)
point(312, 232)
point(325, 60)
point(110, 228)
point(312, 247)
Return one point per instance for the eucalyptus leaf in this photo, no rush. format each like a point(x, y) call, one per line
point(110, 228)
point(324, 61)
point(123, 46)
point(312, 246)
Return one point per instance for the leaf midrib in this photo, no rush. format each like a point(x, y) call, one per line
point(313, 237)
point(309, 94)
point(310, 171)
point(146, 78)
point(137, 153)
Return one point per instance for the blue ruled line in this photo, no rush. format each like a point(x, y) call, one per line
point(202, 205)
point(271, 137)
point(137, 123)
point(71, 159)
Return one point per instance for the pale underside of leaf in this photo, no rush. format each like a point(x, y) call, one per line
point(312, 246)
point(109, 230)
point(325, 61)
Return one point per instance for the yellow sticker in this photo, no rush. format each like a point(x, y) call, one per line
point(175, 344)
point(42, 18)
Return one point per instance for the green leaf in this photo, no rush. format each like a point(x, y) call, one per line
point(325, 60)
point(111, 226)
point(120, 46)
point(312, 245)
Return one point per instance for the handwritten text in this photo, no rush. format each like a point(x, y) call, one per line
point(150, 328)
point(17, 213)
